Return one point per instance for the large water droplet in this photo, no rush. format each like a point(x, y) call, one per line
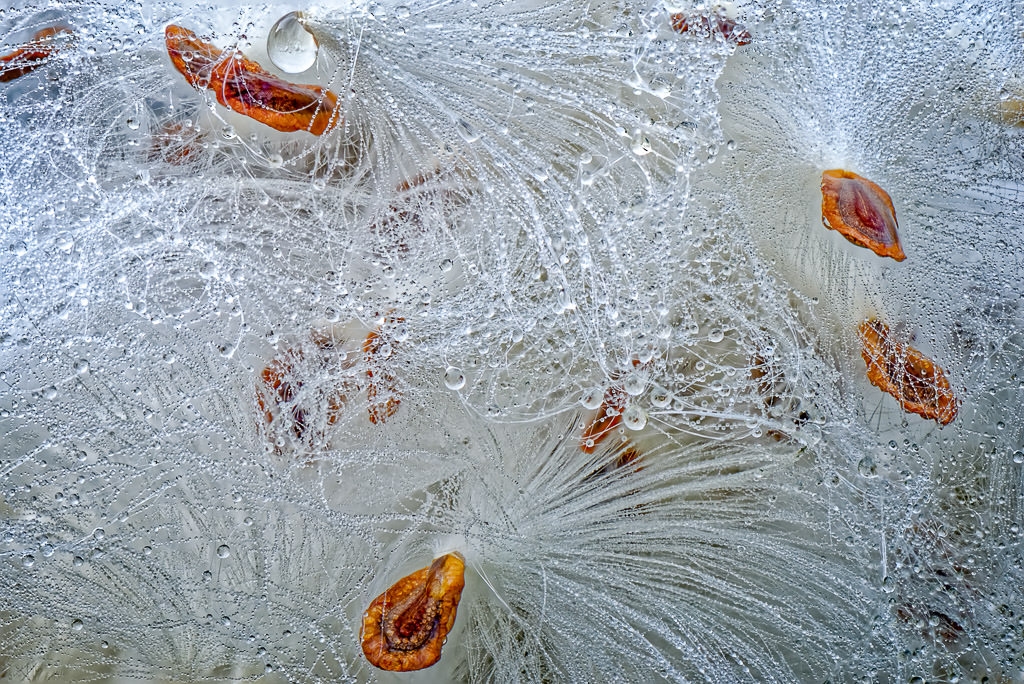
point(635, 383)
point(634, 417)
point(290, 45)
point(454, 379)
point(867, 468)
point(468, 132)
point(223, 551)
point(592, 398)
point(660, 397)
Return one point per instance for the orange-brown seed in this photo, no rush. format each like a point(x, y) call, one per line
point(382, 392)
point(730, 31)
point(34, 55)
point(861, 211)
point(917, 383)
point(245, 87)
point(608, 417)
point(405, 627)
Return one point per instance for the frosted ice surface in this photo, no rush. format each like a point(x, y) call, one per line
point(552, 291)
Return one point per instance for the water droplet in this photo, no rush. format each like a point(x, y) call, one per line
point(132, 124)
point(290, 45)
point(660, 397)
point(467, 131)
point(716, 335)
point(634, 417)
point(446, 265)
point(65, 242)
point(592, 398)
point(402, 12)
point(223, 551)
point(78, 561)
point(641, 145)
point(28, 561)
point(225, 621)
point(47, 550)
point(634, 384)
point(77, 625)
point(454, 379)
point(275, 161)
point(888, 584)
point(19, 248)
point(147, 550)
point(866, 467)
point(1018, 456)
point(99, 533)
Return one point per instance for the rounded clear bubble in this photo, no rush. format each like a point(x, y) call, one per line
point(634, 418)
point(592, 398)
point(454, 379)
point(290, 45)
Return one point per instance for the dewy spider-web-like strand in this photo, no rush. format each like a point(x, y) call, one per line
point(520, 209)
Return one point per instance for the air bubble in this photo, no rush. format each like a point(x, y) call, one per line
point(454, 379)
point(290, 45)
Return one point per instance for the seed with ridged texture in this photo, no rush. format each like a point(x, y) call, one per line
point(861, 211)
point(915, 381)
point(405, 627)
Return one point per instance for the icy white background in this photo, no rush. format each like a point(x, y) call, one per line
point(593, 190)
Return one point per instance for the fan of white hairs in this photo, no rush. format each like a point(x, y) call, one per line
point(518, 301)
point(529, 156)
point(919, 99)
